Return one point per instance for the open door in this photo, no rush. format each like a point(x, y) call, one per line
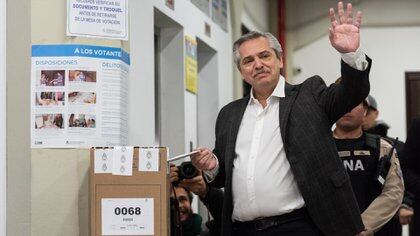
point(169, 84)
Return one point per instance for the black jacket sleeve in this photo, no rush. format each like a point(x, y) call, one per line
point(214, 203)
point(339, 98)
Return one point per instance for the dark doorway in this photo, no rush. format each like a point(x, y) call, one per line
point(412, 99)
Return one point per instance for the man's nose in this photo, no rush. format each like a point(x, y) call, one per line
point(258, 63)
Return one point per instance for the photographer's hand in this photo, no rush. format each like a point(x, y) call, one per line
point(173, 176)
point(195, 185)
point(204, 159)
point(405, 215)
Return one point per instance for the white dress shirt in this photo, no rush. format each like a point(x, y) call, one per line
point(262, 182)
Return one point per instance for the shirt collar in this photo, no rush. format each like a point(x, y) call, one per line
point(278, 90)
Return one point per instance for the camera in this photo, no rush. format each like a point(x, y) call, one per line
point(187, 171)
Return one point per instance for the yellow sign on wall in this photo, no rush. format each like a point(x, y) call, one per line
point(191, 71)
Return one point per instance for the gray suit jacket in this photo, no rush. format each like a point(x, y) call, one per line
point(307, 113)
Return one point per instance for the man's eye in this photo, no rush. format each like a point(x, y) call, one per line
point(246, 61)
point(265, 55)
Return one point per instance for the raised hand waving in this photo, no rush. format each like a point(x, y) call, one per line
point(344, 31)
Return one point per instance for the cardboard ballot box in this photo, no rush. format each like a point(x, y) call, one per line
point(129, 201)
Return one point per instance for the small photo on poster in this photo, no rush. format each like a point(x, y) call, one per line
point(82, 76)
point(170, 4)
point(49, 121)
point(80, 98)
point(49, 98)
point(82, 120)
point(51, 78)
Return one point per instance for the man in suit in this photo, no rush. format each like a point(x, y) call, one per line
point(410, 163)
point(274, 152)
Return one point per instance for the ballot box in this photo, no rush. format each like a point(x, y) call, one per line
point(129, 191)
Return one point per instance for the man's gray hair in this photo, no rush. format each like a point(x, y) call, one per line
point(272, 41)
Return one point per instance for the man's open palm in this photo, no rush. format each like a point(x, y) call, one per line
point(344, 31)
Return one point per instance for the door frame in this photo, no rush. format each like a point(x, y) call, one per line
point(409, 78)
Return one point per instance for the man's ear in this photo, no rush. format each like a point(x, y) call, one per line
point(376, 113)
point(281, 63)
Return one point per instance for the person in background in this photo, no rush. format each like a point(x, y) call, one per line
point(378, 196)
point(211, 197)
point(190, 222)
point(372, 125)
point(410, 162)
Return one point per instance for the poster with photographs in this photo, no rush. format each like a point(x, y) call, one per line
point(170, 4)
point(219, 13)
point(78, 96)
point(191, 66)
point(203, 5)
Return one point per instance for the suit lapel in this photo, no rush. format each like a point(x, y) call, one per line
point(237, 114)
point(285, 107)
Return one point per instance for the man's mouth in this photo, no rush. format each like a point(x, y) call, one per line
point(261, 73)
point(183, 213)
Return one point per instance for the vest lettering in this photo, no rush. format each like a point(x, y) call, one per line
point(353, 166)
point(359, 165)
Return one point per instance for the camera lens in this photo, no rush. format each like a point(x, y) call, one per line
point(188, 170)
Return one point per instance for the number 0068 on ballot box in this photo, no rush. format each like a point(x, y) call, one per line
point(129, 191)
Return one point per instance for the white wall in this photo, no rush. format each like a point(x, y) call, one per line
point(3, 172)
point(307, 21)
point(18, 55)
point(255, 15)
point(141, 85)
point(394, 51)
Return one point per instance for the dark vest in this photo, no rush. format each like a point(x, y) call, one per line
point(360, 159)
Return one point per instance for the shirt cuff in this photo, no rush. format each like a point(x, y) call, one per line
point(356, 60)
point(210, 175)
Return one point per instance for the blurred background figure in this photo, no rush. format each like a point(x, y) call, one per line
point(410, 161)
point(211, 197)
point(377, 181)
point(372, 125)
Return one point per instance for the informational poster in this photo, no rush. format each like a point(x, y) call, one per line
point(203, 5)
point(127, 216)
point(98, 18)
point(191, 70)
point(215, 11)
point(219, 13)
point(79, 96)
point(224, 14)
